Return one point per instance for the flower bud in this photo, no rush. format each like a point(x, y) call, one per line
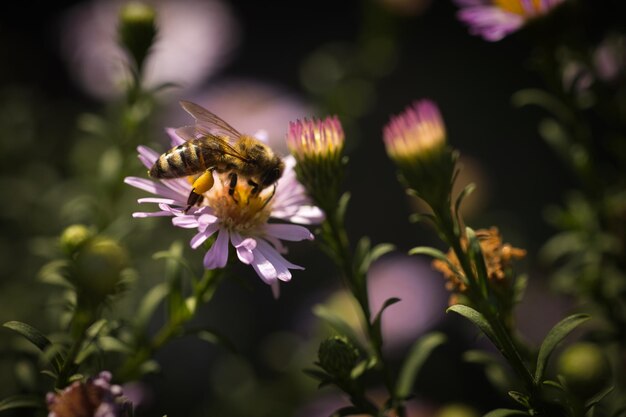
point(338, 357)
point(585, 368)
point(416, 141)
point(317, 146)
point(98, 268)
point(74, 237)
point(137, 30)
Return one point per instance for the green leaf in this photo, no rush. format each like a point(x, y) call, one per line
point(432, 252)
point(372, 255)
point(541, 98)
point(421, 217)
point(30, 333)
point(149, 303)
point(36, 338)
point(420, 351)
point(342, 207)
point(476, 318)
point(469, 188)
point(376, 324)
point(22, 401)
point(596, 399)
point(520, 398)
point(505, 412)
point(554, 337)
point(216, 338)
point(478, 260)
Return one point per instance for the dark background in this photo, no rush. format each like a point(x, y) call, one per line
point(472, 81)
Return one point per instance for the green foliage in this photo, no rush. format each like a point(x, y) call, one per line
point(415, 359)
point(554, 337)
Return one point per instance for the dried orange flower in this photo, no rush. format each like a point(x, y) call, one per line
point(498, 258)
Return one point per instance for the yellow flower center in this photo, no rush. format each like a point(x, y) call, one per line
point(242, 211)
point(515, 6)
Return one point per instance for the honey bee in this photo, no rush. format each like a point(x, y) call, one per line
point(214, 145)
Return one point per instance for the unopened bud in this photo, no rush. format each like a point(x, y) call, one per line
point(74, 237)
point(338, 356)
point(98, 268)
point(137, 30)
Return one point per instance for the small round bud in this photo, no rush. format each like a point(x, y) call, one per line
point(585, 368)
point(338, 356)
point(73, 237)
point(137, 30)
point(457, 410)
point(98, 268)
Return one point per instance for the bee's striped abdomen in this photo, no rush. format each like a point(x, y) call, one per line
point(183, 160)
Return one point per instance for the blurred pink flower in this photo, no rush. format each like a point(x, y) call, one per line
point(195, 38)
point(495, 19)
point(245, 226)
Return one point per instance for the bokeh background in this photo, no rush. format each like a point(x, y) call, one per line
point(260, 65)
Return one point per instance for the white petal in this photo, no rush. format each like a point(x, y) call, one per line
point(280, 264)
point(291, 232)
point(141, 215)
point(264, 268)
point(201, 237)
point(244, 247)
point(217, 256)
point(158, 200)
point(187, 222)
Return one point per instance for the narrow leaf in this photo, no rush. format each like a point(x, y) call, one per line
point(476, 256)
point(376, 252)
point(520, 398)
point(37, 338)
point(469, 188)
point(476, 318)
point(149, 303)
point(21, 401)
point(595, 400)
point(554, 337)
point(377, 323)
point(414, 361)
point(216, 338)
point(505, 412)
point(432, 252)
point(30, 333)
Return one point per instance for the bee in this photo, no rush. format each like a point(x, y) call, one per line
point(212, 145)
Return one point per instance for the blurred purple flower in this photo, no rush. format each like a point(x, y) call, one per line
point(495, 19)
point(423, 300)
point(94, 398)
point(195, 39)
point(244, 226)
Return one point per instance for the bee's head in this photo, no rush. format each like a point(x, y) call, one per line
point(273, 173)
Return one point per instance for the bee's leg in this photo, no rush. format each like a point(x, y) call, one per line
point(201, 185)
point(270, 197)
point(232, 185)
point(255, 188)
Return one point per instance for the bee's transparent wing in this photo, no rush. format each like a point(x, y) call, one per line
point(188, 133)
point(206, 123)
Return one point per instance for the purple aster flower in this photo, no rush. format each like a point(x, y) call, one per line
point(495, 19)
point(95, 397)
point(241, 222)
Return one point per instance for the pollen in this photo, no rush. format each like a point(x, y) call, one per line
point(242, 211)
point(520, 7)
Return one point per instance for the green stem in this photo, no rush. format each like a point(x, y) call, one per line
point(173, 328)
point(357, 284)
point(83, 319)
